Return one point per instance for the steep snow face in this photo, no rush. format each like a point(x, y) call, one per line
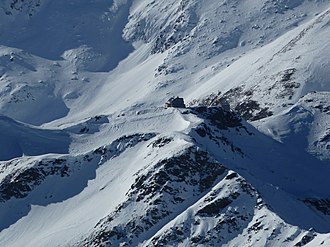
point(29, 89)
point(194, 54)
point(19, 139)
point(85, 38)
point(171, 188)
point(304, 125)
point(275, 45)
point(90, 156)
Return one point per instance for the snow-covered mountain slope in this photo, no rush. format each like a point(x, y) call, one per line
point(90, 157)
point(18, 139)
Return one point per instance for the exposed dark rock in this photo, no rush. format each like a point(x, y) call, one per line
point(181, 28)
point(212, 131)
point(322, 205)
point(200, 130)
point(160, 142)
point(179, 169)
point(247, 108)
point(19, 183)
point(176, 102)
point(251, 110)
point(231, 176)
point(256, 227)
point(305, 239)
point(287, 74)
point(226, 221)
point(219, 117)
point(167, 185)
point(215, 207)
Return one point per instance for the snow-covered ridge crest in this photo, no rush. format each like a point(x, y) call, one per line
point(94, 157)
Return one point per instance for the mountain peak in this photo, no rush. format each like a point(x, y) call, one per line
point(93, 154)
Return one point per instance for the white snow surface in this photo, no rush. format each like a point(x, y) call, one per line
point(89, 155)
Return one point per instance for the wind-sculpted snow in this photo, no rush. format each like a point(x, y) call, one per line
point(90, 126)
point(307, 118)
point(83, 38)
point(18, 139)
point(244, 163)
point(222, 205)
point(21, 178)
point(216, 121)
point(156, 196)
